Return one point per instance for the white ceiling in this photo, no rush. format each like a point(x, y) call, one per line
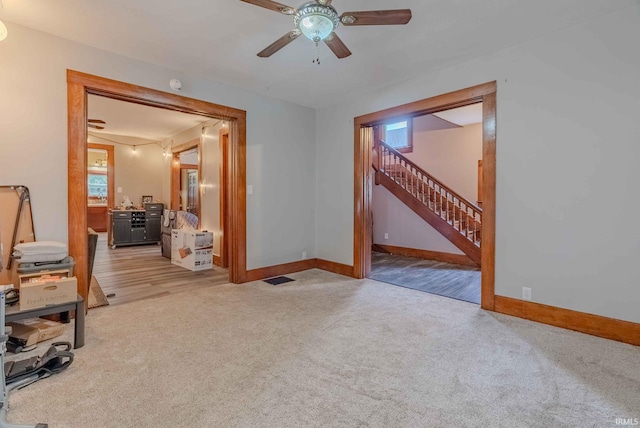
point(448, 119)
point(219, 39)
point(463, 116)
point(135, 120)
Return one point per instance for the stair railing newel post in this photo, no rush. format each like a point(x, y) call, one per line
point(377, 155)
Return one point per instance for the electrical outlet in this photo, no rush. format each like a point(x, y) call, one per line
point(526, 293)
point(119, 189)
point(249, 189)
point(304, 255)
point(386, 236)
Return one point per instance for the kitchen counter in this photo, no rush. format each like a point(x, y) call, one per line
point(97, 217)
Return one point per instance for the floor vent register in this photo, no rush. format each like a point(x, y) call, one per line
point(278, 280)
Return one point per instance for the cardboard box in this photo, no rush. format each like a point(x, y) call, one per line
point(23, 335)
point(192, 249)
point(33, 330)
point(38, 290)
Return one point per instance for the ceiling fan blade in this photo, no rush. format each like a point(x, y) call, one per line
point(272, 5)
point(96, 121)
point(377, 17)
point(279, 44)
point(95, 126)
point(337, 46)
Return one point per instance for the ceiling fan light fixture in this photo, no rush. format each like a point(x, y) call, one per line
point(316, 21)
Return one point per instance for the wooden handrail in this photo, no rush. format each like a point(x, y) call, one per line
point(431, 177)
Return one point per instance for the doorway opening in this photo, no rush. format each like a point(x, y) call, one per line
point(79, 87)
point(186, 178)
point(148, 142)
point(191, 180)
point(447, 206)
point(407, 250)
point(100, 182)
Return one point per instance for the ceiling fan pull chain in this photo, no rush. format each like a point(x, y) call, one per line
point(317, 60)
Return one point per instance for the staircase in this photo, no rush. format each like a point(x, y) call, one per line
point(455, 217)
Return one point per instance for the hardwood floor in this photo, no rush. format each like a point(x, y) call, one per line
point(140, 272)
point(445, 279)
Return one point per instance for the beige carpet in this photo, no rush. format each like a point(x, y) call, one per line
point(329, 351)
point(96, 295)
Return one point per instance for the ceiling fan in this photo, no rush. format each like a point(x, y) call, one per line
point(317, 20)
point(95, 123)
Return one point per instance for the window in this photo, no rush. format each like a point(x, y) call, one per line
point(399, 135)
point(97, 185)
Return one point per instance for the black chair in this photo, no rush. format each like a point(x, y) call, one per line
point(93, 243)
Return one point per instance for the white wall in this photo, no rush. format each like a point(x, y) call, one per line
point(403, 227)
point(567, 147)
point(33, 140)
point(210, 184)
point(210, 175)
point(137, 172)
point(180, 138)
point(451, 155)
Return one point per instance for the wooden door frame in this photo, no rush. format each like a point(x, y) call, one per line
point(188, 168)
point(79, 86)
point(363, 143)
point(223, 139)
point(111, 165)
point(176, 171)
